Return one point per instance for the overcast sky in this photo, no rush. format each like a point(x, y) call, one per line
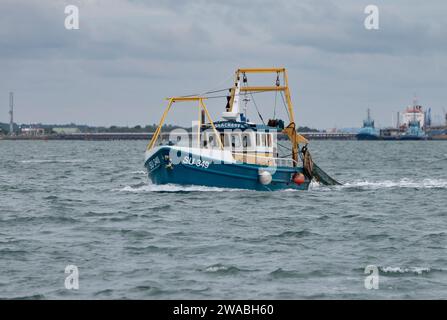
point(128, 55)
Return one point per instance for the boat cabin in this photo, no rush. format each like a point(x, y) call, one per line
point(247, 142)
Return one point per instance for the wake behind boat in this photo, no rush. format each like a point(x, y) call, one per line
point(234, 152)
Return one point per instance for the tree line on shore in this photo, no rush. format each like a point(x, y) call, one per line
point(48, 128)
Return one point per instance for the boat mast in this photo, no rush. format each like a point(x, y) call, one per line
point(291, 128)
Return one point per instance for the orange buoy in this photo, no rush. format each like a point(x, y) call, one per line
point(298, 178)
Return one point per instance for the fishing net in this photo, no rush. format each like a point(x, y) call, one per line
point(313, 171)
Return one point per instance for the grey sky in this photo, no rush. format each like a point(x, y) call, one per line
point(130, 54)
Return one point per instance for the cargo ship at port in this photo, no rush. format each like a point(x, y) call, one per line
point(412, 124)
point(414, 121)
point(438, 132)
point(368, 131)
point(235, 152)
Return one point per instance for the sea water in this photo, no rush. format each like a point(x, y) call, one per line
point(90, 205)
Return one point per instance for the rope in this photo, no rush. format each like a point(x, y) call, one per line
point(279, 144)
point(257, 110)
point(276, 95)
point(285, 106)
point(224, 96)
point(274, 108)
point(213, 89)
point(253, 99)
point(205, 93)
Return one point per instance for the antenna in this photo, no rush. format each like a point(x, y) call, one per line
point(428, 118)
point(11, 113)
point(415, 103)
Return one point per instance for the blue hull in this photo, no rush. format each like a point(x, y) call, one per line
point(413, 138)
point(366, 136)
point(236, 175)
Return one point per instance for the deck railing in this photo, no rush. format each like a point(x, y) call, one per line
point(263, 160)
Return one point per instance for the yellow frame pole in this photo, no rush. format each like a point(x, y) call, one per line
point(199, 125)
point(201, 106)
point(288, 98)
point(212, 123)
point(292, 119)
point(260, 70)
point(162, 120)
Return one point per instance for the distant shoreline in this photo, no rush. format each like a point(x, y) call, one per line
point(148, 135)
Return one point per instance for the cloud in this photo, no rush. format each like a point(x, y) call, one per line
point(138, 52)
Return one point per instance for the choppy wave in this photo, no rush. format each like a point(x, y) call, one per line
point(52, 161)
point(403, 270)
point(385, 184)
point(403, 183)
point(139, 172)
point(222, 269)
point(281, 273)
point(359, 184)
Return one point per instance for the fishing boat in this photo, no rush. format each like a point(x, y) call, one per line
point(234, 152)
point(368, 131)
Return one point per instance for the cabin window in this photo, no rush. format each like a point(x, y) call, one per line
point(269, 140)
point(225, 139)
point(209, 141)
point(246, 143)
point(235, 141)
point(260, 139)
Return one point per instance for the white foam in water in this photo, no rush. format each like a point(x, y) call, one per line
point(314, 185)
point(140, 172)
point(172, 188)
point(403, 183)
point(216, 268)
point(385, 184)
point(417, 270)
point(365, 184)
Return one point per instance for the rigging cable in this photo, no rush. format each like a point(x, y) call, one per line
point(253, 99)
point(205, 93)
point(256, 106)
point(213, 89)
point(276, 95)
point(285, 106)
point(274, 108)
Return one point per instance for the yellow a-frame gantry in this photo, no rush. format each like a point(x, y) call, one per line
point(294, 137)
point(201, 106)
